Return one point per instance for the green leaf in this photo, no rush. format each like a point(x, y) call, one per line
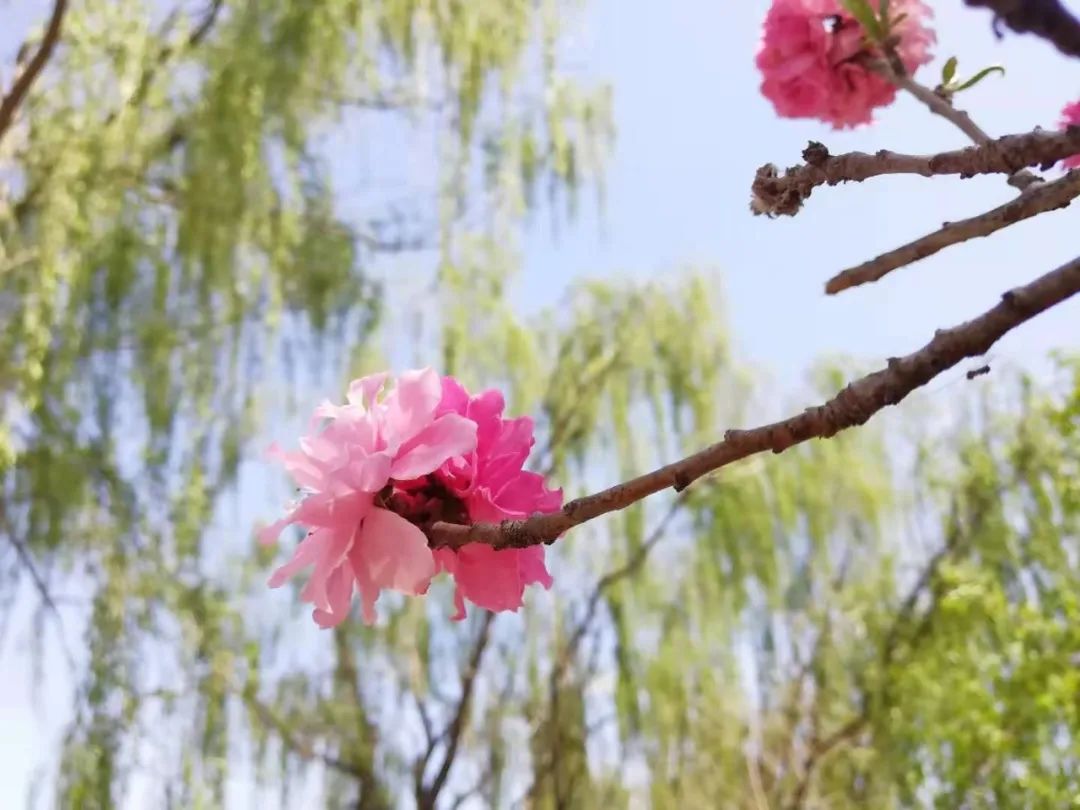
point(978, 77)
point(948, 71)
point(864, 14)
point(883, 15)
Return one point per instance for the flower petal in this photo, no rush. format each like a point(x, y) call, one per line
point(304, 470)
point(323, 450)
point(329, 510)
point(489, 578)
point(369, 594)
point(448, 436)
point(411, 406)
point(332, 556)
point(486, 409)
point(455, 399)
point(368, 474)
point(392, 553)
point(532, 567)
point(525, 494)
point(269, 535)
point(339, 589)
point(447, 561)
point(363, 391)
point(305, 554)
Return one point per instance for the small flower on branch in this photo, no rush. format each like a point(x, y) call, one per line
point(814, 54)
point(1070, 118)
point(378, 472)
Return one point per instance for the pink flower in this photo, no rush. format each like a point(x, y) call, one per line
point(809, 59)
point(492, 486)
point(347, 469)
point(1070, 116)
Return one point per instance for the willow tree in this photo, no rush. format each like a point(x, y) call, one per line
point(174, 250)
point(174, 246)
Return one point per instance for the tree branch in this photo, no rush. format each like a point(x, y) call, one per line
point(197, 35)
point(853, 406)
point(889, 646)
point(175, 136)
point(614, 576)
point(429, 794)
point(14, 99)
point(291, 740)
point(943, 107)
point(26, 558)
point(818, 751)
point(784, 194)
point(1047, 19)
point(1040, 199)
point(358, 750)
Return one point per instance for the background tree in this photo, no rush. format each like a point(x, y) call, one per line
point(173, 247)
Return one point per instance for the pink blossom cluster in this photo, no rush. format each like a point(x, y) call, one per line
point(379, 469)
point(810, 59)
point(1070, 116)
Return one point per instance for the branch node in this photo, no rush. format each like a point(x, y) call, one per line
point(815, 153)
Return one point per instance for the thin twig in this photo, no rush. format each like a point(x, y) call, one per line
point(941, 106)
point(428, 795)
point(174, 137)
point(784, 194)
point(853, 406)
point(26, 558)
point(359, 748)
point(197, 35)
point(616, 575)
point(605, 583)
point(425, 721)
point(210, 16)
point(18, 260)
point(477, 787)
point(1040, 199)
point(1047, 19)
point(14, 98)
point(757, 789)
point(959, 118)
point(889, 648)
point(291, 740)
point(820, 749)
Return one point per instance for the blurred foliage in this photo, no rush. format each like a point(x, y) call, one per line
point(838, 626)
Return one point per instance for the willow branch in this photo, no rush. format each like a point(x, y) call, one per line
point(211, 16)
point(853, 406)
point(199, 33)
point(1038, 200)
point(19, 89)
point(632, 565)
point(293, 741)
point(26, 559)
point(785, 194)
point(1048, 19)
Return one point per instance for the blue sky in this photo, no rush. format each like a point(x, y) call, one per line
point(692, 128)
